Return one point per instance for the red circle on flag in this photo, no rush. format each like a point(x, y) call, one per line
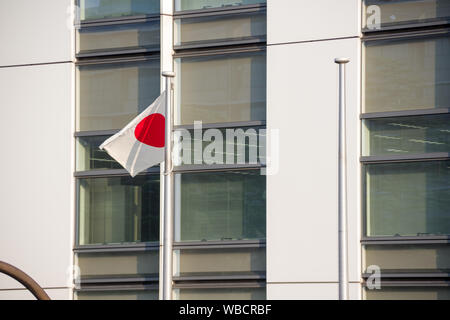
point(150, 130)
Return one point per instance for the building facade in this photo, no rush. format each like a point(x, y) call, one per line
point(73, 73)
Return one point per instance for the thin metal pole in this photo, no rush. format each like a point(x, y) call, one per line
point(168, 194)
point(342, 177)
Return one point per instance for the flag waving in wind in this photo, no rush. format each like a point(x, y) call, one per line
point(140, 144)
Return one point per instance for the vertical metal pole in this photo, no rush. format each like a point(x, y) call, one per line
point(168, 194)
point(342, 192)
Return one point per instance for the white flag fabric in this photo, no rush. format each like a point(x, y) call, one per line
point(140, 144)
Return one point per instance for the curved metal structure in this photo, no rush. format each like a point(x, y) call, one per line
point(24, 279)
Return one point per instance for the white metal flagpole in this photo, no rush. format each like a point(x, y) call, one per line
point(342, 177)
point(168, 194)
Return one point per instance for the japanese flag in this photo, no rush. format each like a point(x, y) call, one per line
point(140, 144)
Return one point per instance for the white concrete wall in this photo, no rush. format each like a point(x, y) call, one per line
point(36, 139)
point(304, 38)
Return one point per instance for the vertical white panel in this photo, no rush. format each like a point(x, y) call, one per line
point(36, 140)
point(310, 291)
point(302, 228)
point(35, 31)
point(294, 21)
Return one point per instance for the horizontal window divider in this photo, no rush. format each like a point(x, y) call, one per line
point(96, 133)
point(118, 20)
point(410, 274)
point(219, 285)
point(409, 34)
point(405, 240)
point(408, 25)
point(215, 167)
point(406, 113)
point(219, 51)
point(112, 172)
point(221, 43)
point(113, 52)
point(117, 287)
point(220, 11)
point(254, 276)
point(119, 59)
point(236, 244)
point(124, 279)
point(150, 246)
point(223, 125)
point(406, 158)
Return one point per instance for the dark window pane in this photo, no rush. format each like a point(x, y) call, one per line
point(222, 88)
point(406, 135)
point(114, 264)
point(219, 28)
point(408, 293)
point(220, 206)
point(182, 5)
point(408, 257)
point(111, 95)
point(118, 209)
point(408, 199)
point(90, 157)
point(117, 294)
point(401, 12)
point(219, 261)
point(119, 37)
point(100, 9)
point(221, 294)
point(407, 74)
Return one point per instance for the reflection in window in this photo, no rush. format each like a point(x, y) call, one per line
point(101, 9)
point(111, 95)
point(220, 206)
point(407, 74)
point(401, 12)
point(118, 209)
point(119, 37)
point(183, 5)
point(406, 135)
point(408, 199)
point(258, 293)
point(221, 88)
point(219, 28)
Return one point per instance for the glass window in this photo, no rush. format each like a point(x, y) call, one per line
point(408, 257)
point(101, 9)
point(111, 95)
point(220, 294)
point(95, 265)
point(406, 135)
point(408, 293)
point(408, 199)
point(243, 146)
point(219, 28)
point(118, 209)
point(220, 206)
point(400, 12)
point(407, 74)
point(182, 5)
point(150, 294)
point(90, 157)
point(119, 37)
point(219, 261)
point(221, 88)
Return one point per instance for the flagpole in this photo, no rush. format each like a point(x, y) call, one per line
point(168, 194)
point(342, 188)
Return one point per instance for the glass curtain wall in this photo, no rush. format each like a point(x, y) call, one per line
point(406, 148)
point(117, 77)
point(220, 202)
